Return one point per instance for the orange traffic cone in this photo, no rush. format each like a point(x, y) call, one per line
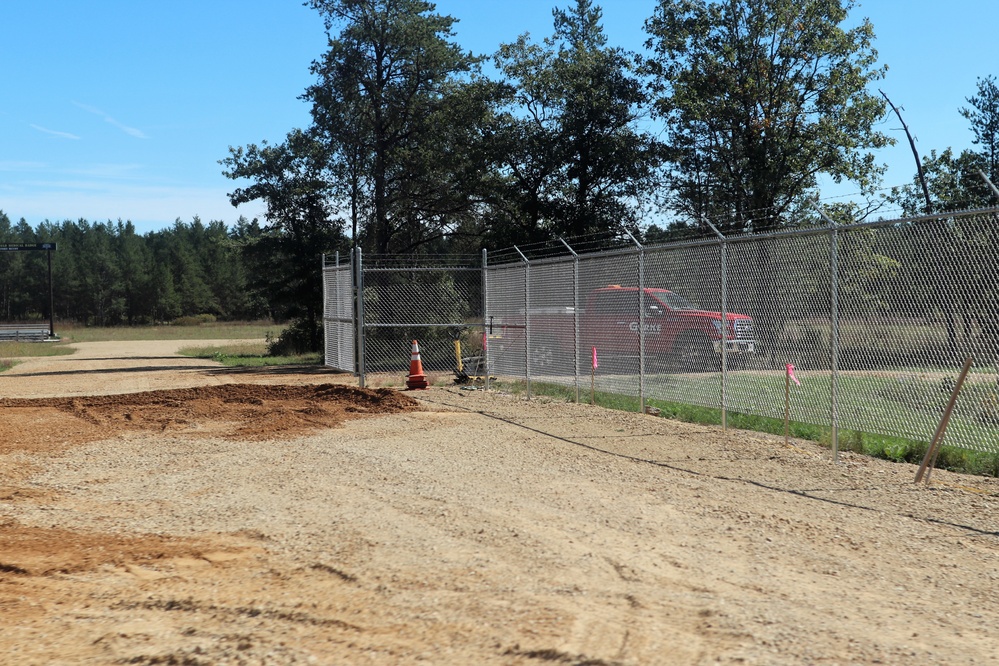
point(417, 380)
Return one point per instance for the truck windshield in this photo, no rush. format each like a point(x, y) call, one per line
point(675, 301)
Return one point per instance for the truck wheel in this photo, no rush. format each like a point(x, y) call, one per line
point(694, 353)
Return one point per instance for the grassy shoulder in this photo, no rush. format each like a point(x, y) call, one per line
point(895, 449)
point(14, 350)
point(247, 355)
point(10, 352)
point(212, 331)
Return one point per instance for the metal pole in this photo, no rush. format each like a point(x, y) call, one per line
point(641, 329)
point(326, 313)
point(51, 299)
point(787, 404)
point(724, 314)
point(833, 331)
point(995, 190)
point(641, 321)
point(575, 315)
point(359, 310)
point(527, 320)
point(485, 316)
point(834, 343)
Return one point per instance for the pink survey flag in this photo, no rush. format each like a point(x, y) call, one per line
point(790, 373)
point(594, 364)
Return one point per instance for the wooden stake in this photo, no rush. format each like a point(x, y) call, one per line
point(593, 373)
point(934, 448)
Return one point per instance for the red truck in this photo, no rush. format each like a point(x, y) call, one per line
point(679, 335)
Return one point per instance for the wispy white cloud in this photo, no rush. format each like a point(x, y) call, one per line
point(108, 171)
point(132, 131)
point(63, 135)
point(9, 165)
point(96, 171)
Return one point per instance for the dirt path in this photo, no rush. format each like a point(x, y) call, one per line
point(100, 368)
point(480, 529)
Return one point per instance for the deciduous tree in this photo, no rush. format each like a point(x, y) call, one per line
point(399, 109)
point(760, 97)
point(574, 158)
point(291, 179)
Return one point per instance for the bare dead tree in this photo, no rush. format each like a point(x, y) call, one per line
point(915, 153)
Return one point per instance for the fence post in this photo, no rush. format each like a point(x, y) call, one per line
point(833, 331)
point(527, 320)
point(834, 344)
point(359, 316)
point(641, 322)
point(326, 304)
point(575, 315)
point(723, 259)
point(485, 316)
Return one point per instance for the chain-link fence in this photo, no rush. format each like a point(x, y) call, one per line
point(877, 320)
point(436, 302)
point(338, 314)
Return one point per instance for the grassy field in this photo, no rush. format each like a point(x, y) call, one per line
point(876, 401)
point(247, 355)
point(244, 355)
point(214, 331)
point(18, 349)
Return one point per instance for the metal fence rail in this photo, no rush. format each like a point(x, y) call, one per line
point(877, 319)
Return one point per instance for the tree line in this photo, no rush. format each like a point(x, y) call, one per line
point(106, 274)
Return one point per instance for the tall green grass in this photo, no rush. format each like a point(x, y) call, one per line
point(10, 350)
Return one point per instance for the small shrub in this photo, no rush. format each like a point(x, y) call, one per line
point(852, 440)
point(897, 451)
point(194, 320)
point(300, 337)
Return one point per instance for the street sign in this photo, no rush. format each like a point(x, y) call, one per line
point(20, 247)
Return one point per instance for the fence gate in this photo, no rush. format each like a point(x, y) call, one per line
point(435, 300)
point(338, 315)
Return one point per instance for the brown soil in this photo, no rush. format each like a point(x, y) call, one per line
point(162, 510)
point(233, 411)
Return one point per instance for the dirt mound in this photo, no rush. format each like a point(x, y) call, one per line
point(232, 411)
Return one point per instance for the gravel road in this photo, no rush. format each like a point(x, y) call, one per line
point(479, 528)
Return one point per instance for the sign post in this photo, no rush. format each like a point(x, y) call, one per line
point(48, 247)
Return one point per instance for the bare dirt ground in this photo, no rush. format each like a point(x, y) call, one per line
point(162, 510)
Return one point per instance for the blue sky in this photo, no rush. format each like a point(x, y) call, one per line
point(119, 109)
